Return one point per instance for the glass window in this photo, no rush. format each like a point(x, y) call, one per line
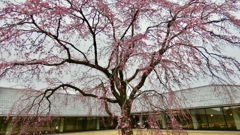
point(81, 124)
point(184, 119)
point(91, 123)
point(152, 120)
point(135, 121)
point(199, 119)
point(70, 124)
point(176, 119)
point(232, 115)
point(145, 121)
point(162, 120)
point(108, 123)
point(3, 125)
point(45, 127)
point(216, 118)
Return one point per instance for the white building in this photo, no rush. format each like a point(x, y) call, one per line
point(208, 107)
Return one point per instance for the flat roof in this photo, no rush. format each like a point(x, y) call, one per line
point(13, 101)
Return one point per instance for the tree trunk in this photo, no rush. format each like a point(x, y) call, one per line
point(126, 127)
point(125, 120)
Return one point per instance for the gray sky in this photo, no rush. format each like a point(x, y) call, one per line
point(230, 51)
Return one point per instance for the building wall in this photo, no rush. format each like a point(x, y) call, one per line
point(59, 125)
point(217, 118)
point(205, 108)
point(13, 101)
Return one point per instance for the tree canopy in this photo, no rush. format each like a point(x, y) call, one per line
point(118, 50)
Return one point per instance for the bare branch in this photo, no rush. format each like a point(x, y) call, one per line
point(129, 26)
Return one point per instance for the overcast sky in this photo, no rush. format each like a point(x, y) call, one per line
point(230, 51)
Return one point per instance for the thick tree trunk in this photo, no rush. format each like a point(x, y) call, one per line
point(125, 120)
point(126, 127)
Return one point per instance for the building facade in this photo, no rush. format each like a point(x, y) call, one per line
point(201, 108)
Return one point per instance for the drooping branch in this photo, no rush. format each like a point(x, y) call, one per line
point(221, 37)
point(131, 46)
point(53, 90)
point(144, 77)
point(52, 36)
point(93, 33)
point(58, 27)
point(216, 56)
point(63, 61)
point(74, 47)
point(130, 25)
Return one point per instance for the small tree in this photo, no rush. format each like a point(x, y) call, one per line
point(116, 51)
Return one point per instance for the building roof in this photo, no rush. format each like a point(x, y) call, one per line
point(15, 101)
point(199, 97)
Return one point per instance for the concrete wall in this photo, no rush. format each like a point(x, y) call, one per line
point(75, 105)
point(12, 101)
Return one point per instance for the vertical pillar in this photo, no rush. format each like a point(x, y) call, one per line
point(98, 123)
point(236, 118)
point(9, 127)
point(194, 121)
point(163, 119)
point(61, 126)
point(140, 121)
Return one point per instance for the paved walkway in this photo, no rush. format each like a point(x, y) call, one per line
point(150, 132)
